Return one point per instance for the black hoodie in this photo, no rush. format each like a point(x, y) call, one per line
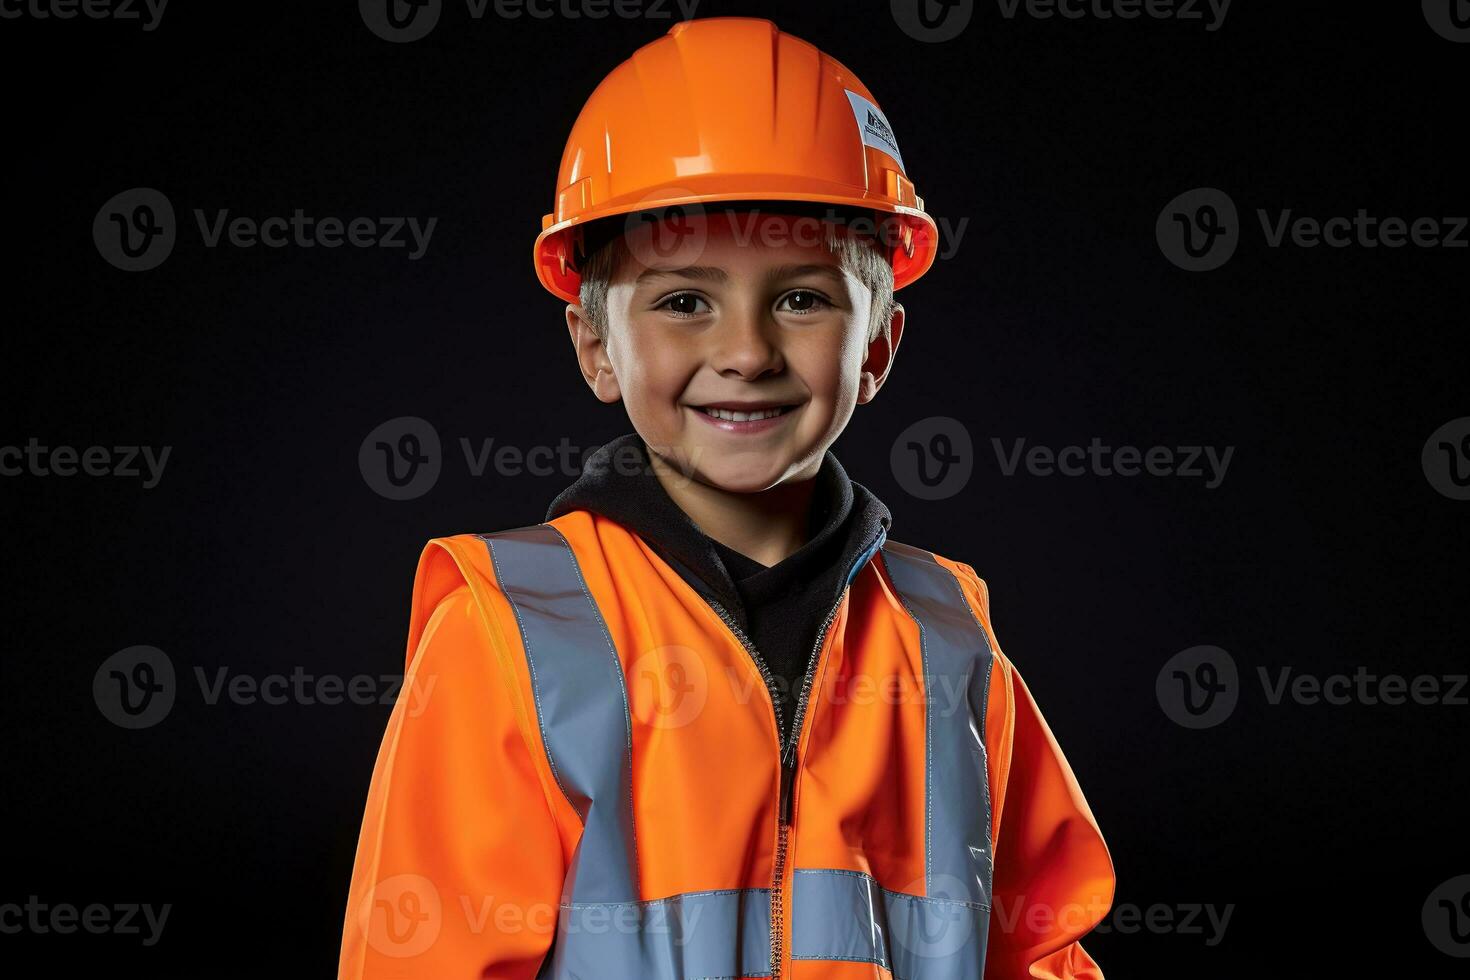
point(781, 607)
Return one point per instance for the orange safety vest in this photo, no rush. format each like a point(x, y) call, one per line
point(586, 777)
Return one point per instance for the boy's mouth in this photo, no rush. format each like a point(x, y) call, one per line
point(743, 413)
point(743, 416)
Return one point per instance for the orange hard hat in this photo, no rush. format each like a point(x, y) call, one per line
point(729, 109)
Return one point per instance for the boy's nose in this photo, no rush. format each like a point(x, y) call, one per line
point(745, 344)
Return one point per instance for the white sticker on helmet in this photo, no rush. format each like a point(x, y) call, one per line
point(874, 126)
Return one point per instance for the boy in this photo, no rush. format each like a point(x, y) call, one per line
point(708, 720)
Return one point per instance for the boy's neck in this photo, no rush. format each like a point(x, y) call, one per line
point(766, 527)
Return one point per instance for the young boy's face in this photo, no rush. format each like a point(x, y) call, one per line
point(752, 314)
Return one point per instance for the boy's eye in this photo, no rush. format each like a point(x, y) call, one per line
point(684, 304)
point(804, 301)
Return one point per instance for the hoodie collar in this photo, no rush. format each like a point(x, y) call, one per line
point(846, 519)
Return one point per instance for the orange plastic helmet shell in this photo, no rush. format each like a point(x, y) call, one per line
point(729, 109)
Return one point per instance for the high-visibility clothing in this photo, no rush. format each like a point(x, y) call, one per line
point(730, 109)
point(586, 778)
point(779, 607)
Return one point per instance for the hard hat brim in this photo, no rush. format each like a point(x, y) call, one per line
point(555, 262)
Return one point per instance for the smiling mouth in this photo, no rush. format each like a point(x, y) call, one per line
point(753, 415)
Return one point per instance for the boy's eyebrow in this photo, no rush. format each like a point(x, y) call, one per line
point(692, 271)
point(717, 274)
point(815, 268)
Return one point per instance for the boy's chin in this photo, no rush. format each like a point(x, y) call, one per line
point(738, 472)
point(723, 468)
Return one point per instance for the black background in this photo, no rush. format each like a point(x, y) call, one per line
point(1057, 319)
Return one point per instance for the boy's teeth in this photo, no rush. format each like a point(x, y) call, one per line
point(725, 413)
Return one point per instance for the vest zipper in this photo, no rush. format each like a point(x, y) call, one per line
point(777, 905)
point(788, 750)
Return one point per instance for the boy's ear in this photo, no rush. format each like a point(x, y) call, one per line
point(592, 359)
point(881, 353)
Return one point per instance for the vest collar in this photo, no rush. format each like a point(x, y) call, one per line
point(851, 517)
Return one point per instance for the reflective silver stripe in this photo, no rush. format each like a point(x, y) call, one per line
point(692, 936)
point(862, 561)
point(846, 915)
point(957, 661)
point(581, 704)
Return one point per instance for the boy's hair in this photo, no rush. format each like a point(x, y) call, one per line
point(862, 254)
